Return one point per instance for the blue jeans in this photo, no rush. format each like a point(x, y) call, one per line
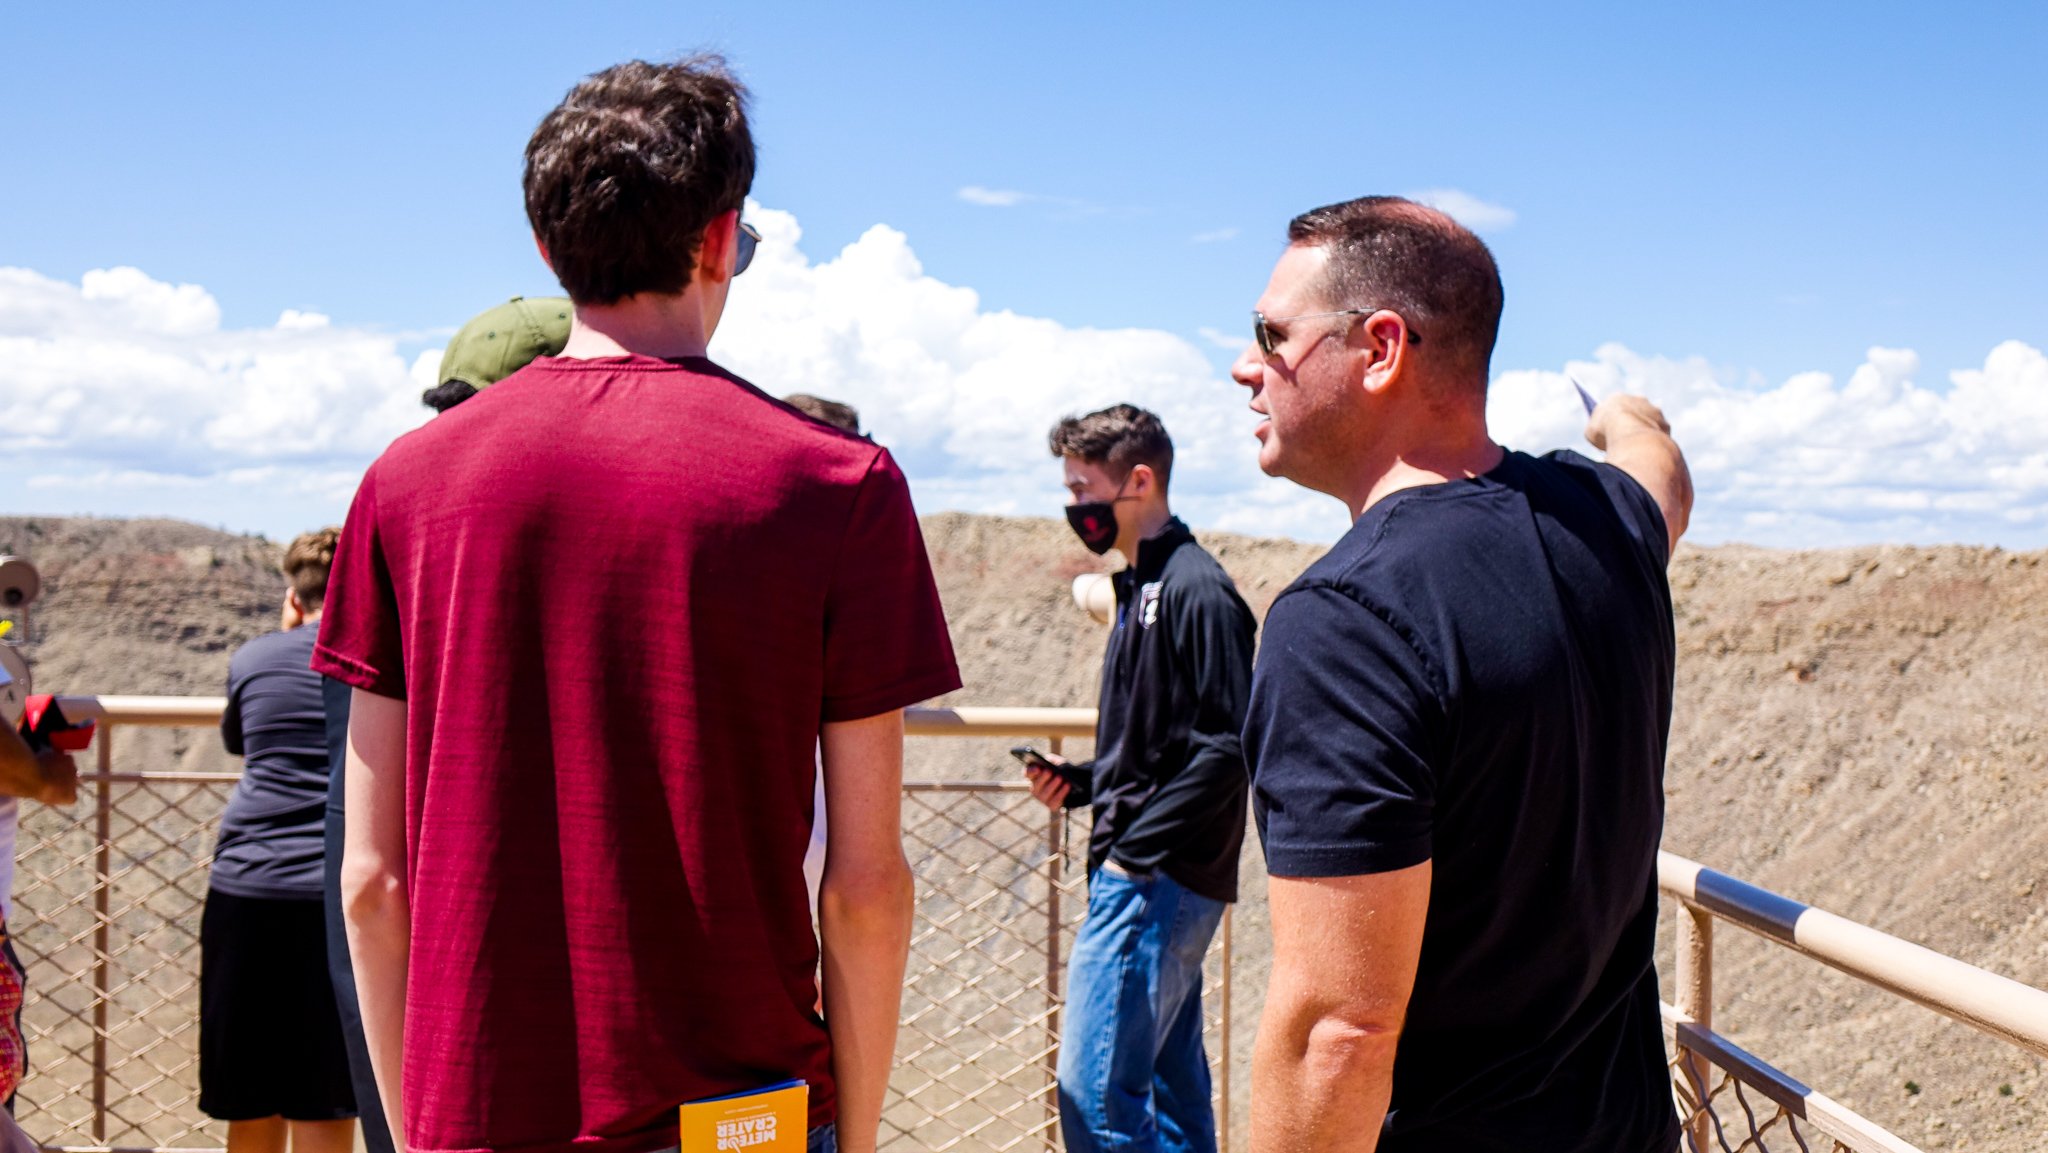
point(823, 1139)
point(1132, 1073)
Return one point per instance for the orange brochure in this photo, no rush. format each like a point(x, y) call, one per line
point(771, 1120)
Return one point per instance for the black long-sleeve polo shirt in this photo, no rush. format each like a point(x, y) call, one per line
point(1168, 782)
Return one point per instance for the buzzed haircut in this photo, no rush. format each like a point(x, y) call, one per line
point(832, 412)
point(624, 175)
point(1387, 252)
point(1118, 438)
point(307, 561)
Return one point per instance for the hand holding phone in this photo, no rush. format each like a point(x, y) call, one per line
point(1049, 780)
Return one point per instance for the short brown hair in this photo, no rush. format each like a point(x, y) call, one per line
point(307, 561)
point(835, 413)
point(625, 174)
point(1386, 252)
point(1119, 437)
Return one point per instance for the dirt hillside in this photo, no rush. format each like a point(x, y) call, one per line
point(1863, 729)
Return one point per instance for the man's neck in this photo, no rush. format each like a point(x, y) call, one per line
point(665, 327)
point(1151, 522)
point(1422, 464)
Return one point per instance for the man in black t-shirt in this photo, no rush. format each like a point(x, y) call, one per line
point(1457, 726)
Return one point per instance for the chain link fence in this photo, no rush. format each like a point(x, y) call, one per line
point(108, 896)
point(1731, 1102)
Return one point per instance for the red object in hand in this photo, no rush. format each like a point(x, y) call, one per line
point(44, 725)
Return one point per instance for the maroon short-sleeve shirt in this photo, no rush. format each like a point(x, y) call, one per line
point(619, 596)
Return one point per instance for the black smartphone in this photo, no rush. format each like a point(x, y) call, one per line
point(1033, 758)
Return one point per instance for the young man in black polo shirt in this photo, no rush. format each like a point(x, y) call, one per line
point(1457, 726)
point(1167, 787)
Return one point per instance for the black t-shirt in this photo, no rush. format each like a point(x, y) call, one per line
point(1479, 675)
point(273, 832)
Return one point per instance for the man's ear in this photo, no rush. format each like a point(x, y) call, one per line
point(1382, 339)
point(1144, 482)
point(714, 249)
point(541, 246)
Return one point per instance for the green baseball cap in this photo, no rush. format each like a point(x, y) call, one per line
point(500, 341)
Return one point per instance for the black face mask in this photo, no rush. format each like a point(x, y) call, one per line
point(1094, 521)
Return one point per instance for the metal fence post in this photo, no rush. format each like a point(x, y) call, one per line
point(102, 936)
point(1055, 858)
point(1223, 994)
point(1696, 1000)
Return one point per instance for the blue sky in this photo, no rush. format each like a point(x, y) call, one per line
point(1744, 192)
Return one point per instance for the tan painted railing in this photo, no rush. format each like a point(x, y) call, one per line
point(1025, 858)
point(2006, 1009)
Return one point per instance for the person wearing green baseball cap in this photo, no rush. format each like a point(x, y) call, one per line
point(496, 343)
point(493, 345)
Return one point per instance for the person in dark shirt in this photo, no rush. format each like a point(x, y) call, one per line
point(1458, 724)
point(493, 345)
point(1167, 787)
point(271, 1059)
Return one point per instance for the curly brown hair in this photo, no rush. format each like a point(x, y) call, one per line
point(624, 175)
point(307, 561)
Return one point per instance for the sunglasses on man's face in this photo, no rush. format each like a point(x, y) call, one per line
point(1269, 340)
point(749, 240)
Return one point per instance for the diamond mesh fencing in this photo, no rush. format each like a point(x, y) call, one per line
point(107, 900)
point(1000, 895)
point(1729, 1102)
point(108, 896)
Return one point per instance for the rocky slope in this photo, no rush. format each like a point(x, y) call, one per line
point(1864, 730)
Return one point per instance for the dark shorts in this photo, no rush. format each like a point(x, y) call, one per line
point(269, 1034)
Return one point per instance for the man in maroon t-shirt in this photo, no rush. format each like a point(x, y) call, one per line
point(597, 618)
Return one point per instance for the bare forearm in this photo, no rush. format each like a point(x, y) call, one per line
point(1653, 459)
point(865, 931)
point(379, 921)
point(1318, 1082)
point(20, 775)
point(1637, 440)
point(375, 901)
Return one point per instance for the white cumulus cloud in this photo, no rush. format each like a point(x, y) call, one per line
point(123, 394)
point(122, 384)
point(1876, 456)
point(1467, 209)
point(965, 395)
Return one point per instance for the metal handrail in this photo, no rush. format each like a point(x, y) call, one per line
point(2004, 1008)
point(965, 721)
point(2000, 1006)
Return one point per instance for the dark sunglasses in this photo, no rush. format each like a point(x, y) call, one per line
point(1267, 342)
point(748, 241)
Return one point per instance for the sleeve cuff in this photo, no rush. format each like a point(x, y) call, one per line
point(902, 694)
point(1342, 860)
point(355, 673)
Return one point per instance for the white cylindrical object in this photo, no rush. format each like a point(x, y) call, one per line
point(1095, 594)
